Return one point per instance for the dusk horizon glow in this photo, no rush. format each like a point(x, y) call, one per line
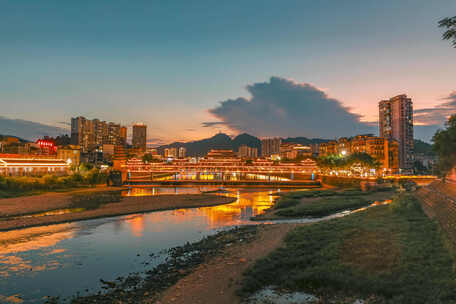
point(169, 65)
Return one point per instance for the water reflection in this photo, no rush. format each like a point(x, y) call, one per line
point(61, 260)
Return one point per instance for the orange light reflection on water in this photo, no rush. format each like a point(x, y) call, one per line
point(248, 203)
point(14, 242)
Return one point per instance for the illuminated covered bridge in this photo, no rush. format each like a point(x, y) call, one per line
point(232, 169)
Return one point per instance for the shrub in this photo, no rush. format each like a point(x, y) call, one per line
point(324, 207)
point(21, 185)
point(341, 181)
point(405, 203)
point(285, 203)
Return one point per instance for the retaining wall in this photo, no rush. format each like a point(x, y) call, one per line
point(439, 202)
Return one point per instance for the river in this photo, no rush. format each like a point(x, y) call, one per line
point(65, 259)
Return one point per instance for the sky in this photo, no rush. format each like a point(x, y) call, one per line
point(189, 69)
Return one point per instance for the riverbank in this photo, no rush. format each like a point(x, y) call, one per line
point(386, 254)
point(30, 204)
point(207, 271)
point(320, 203)
point(54, 208)
point(16, 186)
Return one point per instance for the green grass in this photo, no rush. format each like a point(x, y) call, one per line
point(325, 202)
point(94, 200)
point(324, 206)
point(308, 193)
point(12, 186)
point(386, 254)
point(286, 202)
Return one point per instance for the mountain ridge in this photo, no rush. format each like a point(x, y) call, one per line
point(223, 141)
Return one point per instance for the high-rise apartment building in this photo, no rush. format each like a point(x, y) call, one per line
point(87, 133)
point(182, 152)
point(396, 122)
point(247, 152)
point(139, 139)
point(270, 146)
point(123, 135)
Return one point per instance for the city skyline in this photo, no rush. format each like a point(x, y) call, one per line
point(154, 70)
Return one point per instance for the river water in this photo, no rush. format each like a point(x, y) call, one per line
point(65, 259)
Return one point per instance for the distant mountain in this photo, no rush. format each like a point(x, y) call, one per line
point(246, 139)
point(4, 136)
point(28, 130)
point(201, 147)
point(223, 141)
point(304, 140)
point(422, 147)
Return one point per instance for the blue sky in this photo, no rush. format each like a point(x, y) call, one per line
point(168, 63)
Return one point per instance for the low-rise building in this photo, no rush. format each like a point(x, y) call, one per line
point(293, 151)
point(220, 154)
point(328, 148)
point(70, 153)
point(19, 165)
point(383, 150)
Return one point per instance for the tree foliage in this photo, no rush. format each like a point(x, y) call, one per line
point(445, 145)
point(337, 162)
point(147, 158)
point(449, 24)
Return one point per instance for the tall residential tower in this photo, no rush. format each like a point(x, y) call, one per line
point(270, 146)
point(88, 134)
point(396, 122)
point(139, 138)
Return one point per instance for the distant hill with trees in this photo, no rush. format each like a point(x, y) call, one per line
point(422, 147)
point(223, 141)
point(3, 137)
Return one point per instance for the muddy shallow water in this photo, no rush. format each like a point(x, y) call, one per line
point(62, 260)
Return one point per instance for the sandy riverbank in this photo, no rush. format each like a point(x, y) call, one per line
point(12, 209)
point(217, 280)
point(44, 202)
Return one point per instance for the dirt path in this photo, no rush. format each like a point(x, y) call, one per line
point(128, 205)
point(217, 280)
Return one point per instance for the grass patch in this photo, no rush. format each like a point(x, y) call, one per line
point(310, 193)
point(286, 202)
point(324, 207)
point(387, 254)
point(15, 186)
point(94, 200)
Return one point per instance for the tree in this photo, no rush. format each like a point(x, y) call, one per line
point(445, 146)
point(356, 163)
point(450, 25)
point(147, 158)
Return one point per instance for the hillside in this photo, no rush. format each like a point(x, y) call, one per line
point(422, 147)
point(3, 136)
point(223, 141)
point(219, 141)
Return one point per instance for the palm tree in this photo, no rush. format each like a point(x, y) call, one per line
point(450, 24)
